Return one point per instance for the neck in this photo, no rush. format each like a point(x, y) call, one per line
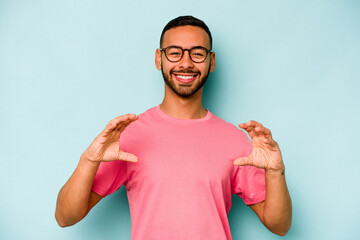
point(183, 108)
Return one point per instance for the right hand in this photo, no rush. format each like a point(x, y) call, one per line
point(105, 147)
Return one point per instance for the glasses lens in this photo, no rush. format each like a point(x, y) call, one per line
point(198, 54)
point(174, 53)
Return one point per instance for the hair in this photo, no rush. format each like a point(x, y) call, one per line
point(185, 21)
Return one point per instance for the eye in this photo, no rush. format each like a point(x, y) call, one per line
point(198, 52)
point(173, 51)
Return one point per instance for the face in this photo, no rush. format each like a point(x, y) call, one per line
point(185, 77)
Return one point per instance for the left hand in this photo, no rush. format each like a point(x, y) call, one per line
point(265, 153)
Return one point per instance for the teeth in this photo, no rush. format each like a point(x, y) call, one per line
point(184, 77)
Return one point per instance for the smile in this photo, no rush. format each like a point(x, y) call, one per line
point(185, 78)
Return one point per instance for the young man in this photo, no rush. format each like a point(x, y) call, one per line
point(179, 162)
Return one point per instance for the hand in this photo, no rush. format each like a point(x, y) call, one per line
point(266, 153)
point(105, 147)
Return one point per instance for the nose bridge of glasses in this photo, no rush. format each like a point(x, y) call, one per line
point(188, 57)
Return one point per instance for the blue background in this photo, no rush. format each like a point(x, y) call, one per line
point(68, 67)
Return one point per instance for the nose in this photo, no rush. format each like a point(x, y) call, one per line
point(185, 61)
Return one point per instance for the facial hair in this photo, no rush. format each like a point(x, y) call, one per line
point(184, 90)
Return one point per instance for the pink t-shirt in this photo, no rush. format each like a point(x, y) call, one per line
point(181, 186)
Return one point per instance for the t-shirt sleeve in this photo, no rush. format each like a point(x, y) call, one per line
point(249, 184)
point(248, 181)
point(109, 177)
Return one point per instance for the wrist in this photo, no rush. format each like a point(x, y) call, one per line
point(85, 161)
point(278, 171)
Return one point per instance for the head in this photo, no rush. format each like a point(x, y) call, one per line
point(186, 21)
point(185, 77)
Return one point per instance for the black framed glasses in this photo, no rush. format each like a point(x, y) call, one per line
point(174, 54)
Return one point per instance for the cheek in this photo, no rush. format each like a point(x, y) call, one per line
point(166, 67)
point(204, 69)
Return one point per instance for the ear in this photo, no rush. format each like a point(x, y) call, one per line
point(158, 59)
point(212, 61)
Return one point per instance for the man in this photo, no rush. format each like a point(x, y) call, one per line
point(179, 162)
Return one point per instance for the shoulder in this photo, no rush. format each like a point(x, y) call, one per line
point(143, 123)
point(137, 131)
point(227, 127)
point(231, 137)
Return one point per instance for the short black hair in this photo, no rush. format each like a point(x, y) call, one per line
point(185, 21)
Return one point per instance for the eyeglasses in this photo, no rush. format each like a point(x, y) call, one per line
point(175, 54)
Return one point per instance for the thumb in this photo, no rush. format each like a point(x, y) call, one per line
point(243, 161)
point(125, 156)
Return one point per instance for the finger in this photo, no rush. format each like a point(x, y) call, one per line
point(271, 142)
point(242, 161)
point(126, 123)
point(266, 133)
point(251, 123)
point(122, 125)
point(129, 157)
point(118, 122)
point(250, 126)
point(251, 131)
point(124, 119)
point(263, 131)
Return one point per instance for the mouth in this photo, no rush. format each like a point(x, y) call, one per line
point(185, 78)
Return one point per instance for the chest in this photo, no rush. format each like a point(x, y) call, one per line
point(169, 161)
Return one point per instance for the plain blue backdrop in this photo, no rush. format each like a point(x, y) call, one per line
point(68, 67)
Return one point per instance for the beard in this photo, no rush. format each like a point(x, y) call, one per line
point(185, 90)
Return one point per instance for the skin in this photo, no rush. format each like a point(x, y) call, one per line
point(76, 199)
point(173, 104)
point(183, 101)
point(276, 211)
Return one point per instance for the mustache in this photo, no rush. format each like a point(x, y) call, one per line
point(184, 71)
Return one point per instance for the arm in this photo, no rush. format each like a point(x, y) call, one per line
point(76, 199)
point(276, 211)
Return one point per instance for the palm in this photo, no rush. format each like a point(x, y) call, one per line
point(105, 147)
point(266, 153)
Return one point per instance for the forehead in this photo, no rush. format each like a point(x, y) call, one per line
point(186, 37)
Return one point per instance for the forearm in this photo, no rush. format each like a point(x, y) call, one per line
point(73, 199)
point(277, 211)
